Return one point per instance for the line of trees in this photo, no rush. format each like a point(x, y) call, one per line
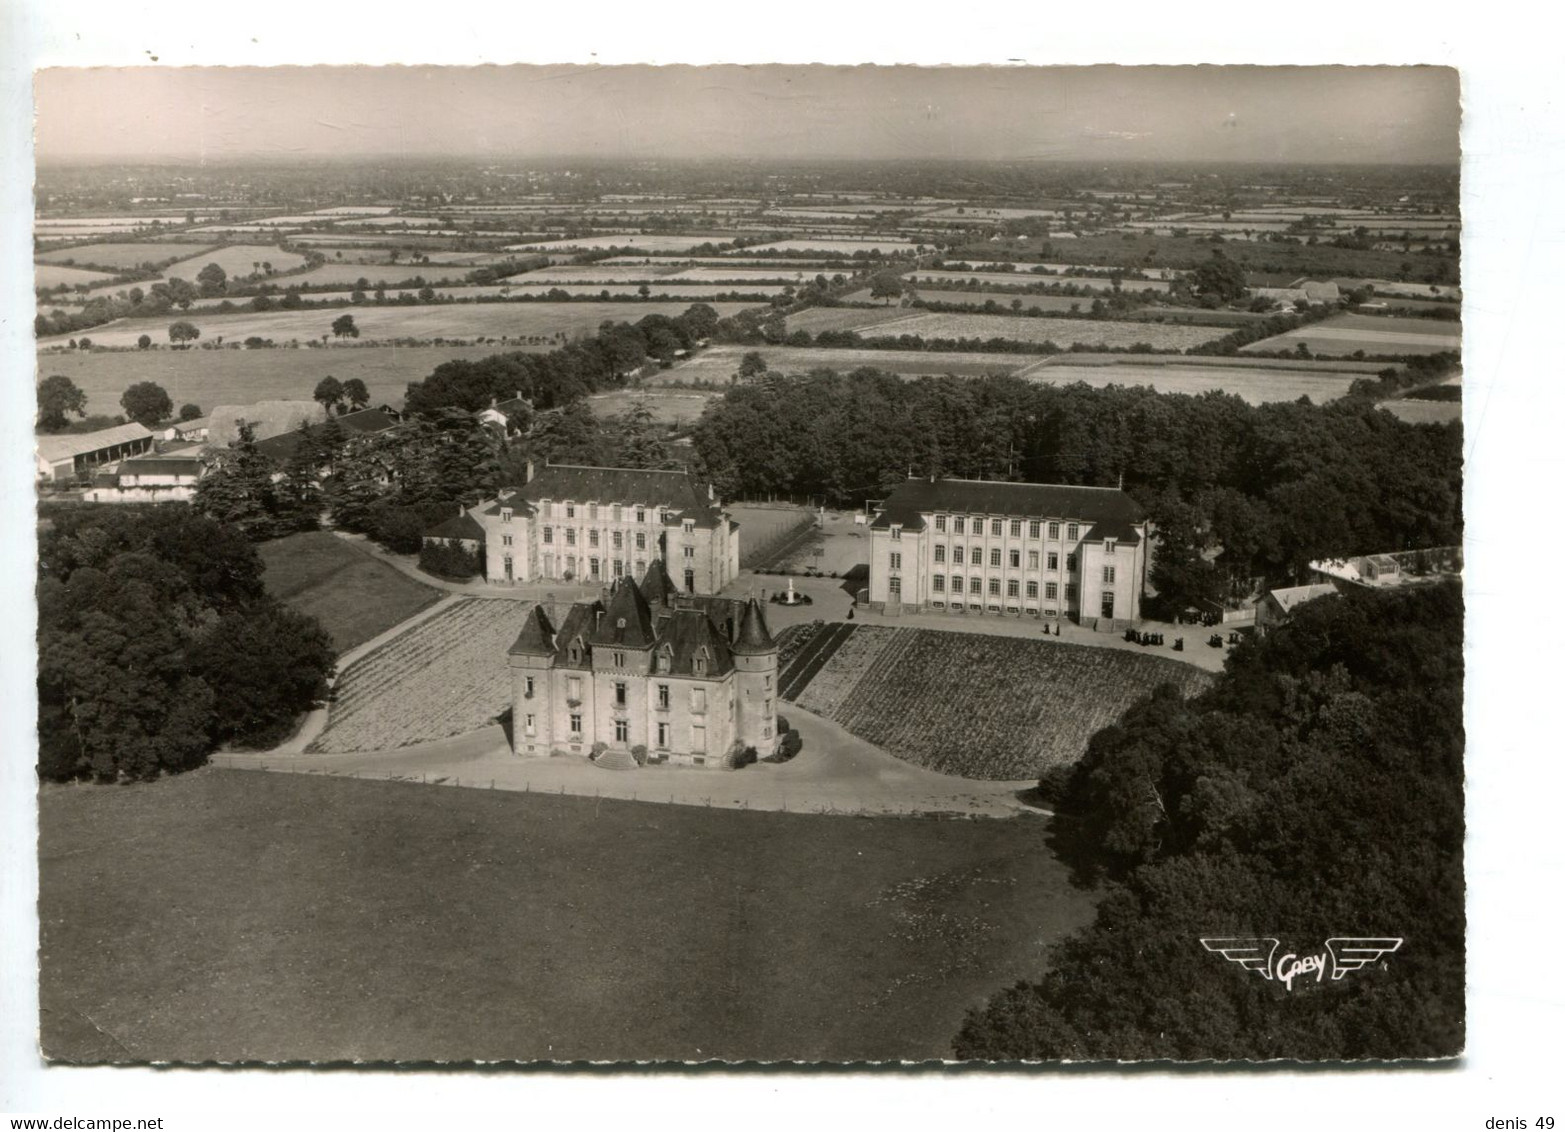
point(1237, 490)
point(1315, 791)
point(603, 361)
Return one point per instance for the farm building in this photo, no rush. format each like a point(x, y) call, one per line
point(1278, 605)
point(981, 546)
point(154, 478)
point(365, 422)
point(646, 674)
point(601, 524)
point(62, 459)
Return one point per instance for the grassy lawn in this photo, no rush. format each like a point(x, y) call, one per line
point(354, 595)
point(238, 915)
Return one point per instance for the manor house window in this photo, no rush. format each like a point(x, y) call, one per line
point(663, 696)
point(1033, 528)
point(896, 562)
point(938, 583)
point(1016, 528)
point(1108, 575)
point(641, 514)
point(958, 525)
point(621, 731)
point(940, 554)
point(940, 523)
point(570, 510)
point(1054, 530)
point(994, 557)
point(548, 534)
point(956, 556)
point(1016, 559)
point(575, 724)
point(621, 693)
point(1072, 531)
point(996, 527)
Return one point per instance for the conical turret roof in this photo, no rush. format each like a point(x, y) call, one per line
point(628, 620)
point(657, 586)
point(537, 635)
point(753, 638)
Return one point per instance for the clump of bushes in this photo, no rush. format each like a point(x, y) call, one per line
point(447, 558)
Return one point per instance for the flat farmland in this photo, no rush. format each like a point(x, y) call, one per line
point(239, 260)
point(651, 242)
point(1256, 385)
point(816, 319)
point(1347, 333)
point(335, 274)
point(1059, 303)
point(1028, 279)
point(388, 323)
point(720, 363)
point(118, 255)
point(445, 676)
point(624, 293)
point(1424, 412)
point(982, 706)
point(324, 919)
point(242, 377)
point(835, 246)
point(667, 406)
point(52, 275)
point(1063, 332)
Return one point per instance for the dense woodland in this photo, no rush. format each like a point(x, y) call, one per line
point(1237, 491)
point(1315, 791)
point(156, 642)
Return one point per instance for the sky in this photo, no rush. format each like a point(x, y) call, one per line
point(1203, 113)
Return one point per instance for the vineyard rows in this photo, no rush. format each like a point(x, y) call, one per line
point(869, 647)
point(443, 677)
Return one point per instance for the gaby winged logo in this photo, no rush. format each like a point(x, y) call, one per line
point(1259, 954)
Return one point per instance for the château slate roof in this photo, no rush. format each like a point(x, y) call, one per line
point(537, 635)
point(656, 585)
point(628, 620)
point(462, 526)
point(680, 630)
point(1110, 512)
point(675, 491)
point(753, 637)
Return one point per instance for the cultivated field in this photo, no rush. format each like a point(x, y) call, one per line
point(353, 594)
point(816, 319)
point(1424, 412)
point(239, 260)
point(1003, 279)
point(117, 255)
point(241, 377)
point(720, 363)
point(313, 918)
point(976, 705)
point(443, 677)
point(392, 323)
point(652, 242)
point(1256, 385)
point(1063, 332)
point(348, 274)
point(52, 275)
point(979, 298)
point(1347, 333)
point(834, 246)
point(667, 406)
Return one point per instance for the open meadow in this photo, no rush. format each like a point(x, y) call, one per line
point(53, 274)
point(1063, 332)
point(1005, 279)
point(826, 245)
point(1347, 333)
point(443, 677)
point(353, 594)
point(652, 242)
point(325, 919)
point(1002, 299)
point(679, 408)
point(119, 255)
point(1256, 384)
point(242, 377)
point(1423, 412)
point(392, 323)
point(974, 705)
